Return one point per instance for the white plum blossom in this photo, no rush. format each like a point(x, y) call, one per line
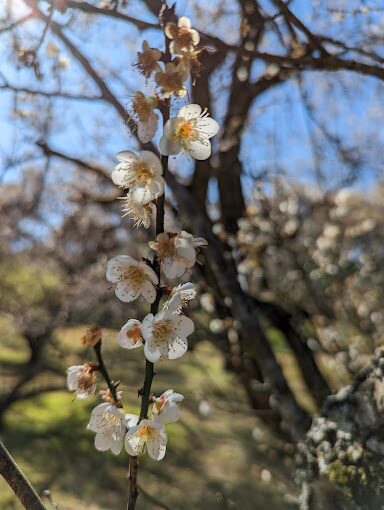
point(132, 279)
point(165, 408)
point(190, 130)
point(108, 421)
point(141, 174)
point(184, 38)
point(176, 251)
point(141, 214)
point(143, 108)
point(150, 434)
point(165, 335)
point(82, 380)
point(130, 335)
point(180, 296)
point(148, 60)
point(171, 79)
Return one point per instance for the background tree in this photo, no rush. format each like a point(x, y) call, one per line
point(290, 250)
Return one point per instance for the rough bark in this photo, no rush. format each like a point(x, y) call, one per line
point(341, 460)
point(243, 309)
point(18, 482)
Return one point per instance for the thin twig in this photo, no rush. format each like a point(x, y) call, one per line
point(104, 372)
point(18, 481)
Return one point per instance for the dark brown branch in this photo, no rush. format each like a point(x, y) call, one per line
point(243, 309)
point(14, 24)
point(18, 482)
point(291, 18)
point(55, 93)
point(145, 391)
point(48, 151)
point(113, 13)
point(106, 94)
point(104, 372)
point(326, 62)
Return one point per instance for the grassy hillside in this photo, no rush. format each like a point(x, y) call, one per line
point(218, 456)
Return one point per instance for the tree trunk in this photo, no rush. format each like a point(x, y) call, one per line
point(341, 460)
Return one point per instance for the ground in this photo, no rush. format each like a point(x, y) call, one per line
point(219, 457)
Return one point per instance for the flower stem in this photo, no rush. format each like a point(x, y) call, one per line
point(104, 372)
point(145, 391)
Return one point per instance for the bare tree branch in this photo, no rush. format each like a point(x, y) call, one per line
point(18, 481)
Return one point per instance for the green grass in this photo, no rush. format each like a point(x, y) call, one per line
point(212, 462)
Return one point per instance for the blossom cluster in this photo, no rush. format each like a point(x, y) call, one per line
point(163, 333)
point(319, 255)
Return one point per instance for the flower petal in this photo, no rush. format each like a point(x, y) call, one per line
point(123, 337)
point(151, 351)
point(126, 156)
point(147, 130)
point(117, 266)
point(184, 22)
point(168, 147)
point(96, 416)
point(200, 148)
point(183, 326)
point(157, 444)
point(147, 326)
point(190, 111)
point(127, 292)
point(117, 445)
point(148, 291)
point(153, 161)
point(134, 445)
point(207, 126)
point(172, 267)
point(170, 413)
point(176, 348)
point(151, 273)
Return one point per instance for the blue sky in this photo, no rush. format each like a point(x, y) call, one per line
point(278, 133)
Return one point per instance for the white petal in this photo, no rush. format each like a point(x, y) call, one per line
point(147, 326)
point(183, 326)
point(148, 292)
point(147, 130)
point(152, 160)
point(142, 195)
point(184, 22)
point(190, 111)
point(96, 416)
point(195, 37)
point(188, 253)
point(175, 348)
point(131, 420)
point(150, 272)
point(145, 193)
point(123, 338)
point(151, 351)
point(200, 148)
point(168, 147)
point(199, 241)
point(117, 445)
point(73, 374)
point(174, 303)
point(133, 444)
point(117, 266)
point(172, 267)
point(120, 176)
point(103, 441)
point(207, 126)
point(126, 156)
point(157, 444)
point(170, 413)
point(126, 292)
